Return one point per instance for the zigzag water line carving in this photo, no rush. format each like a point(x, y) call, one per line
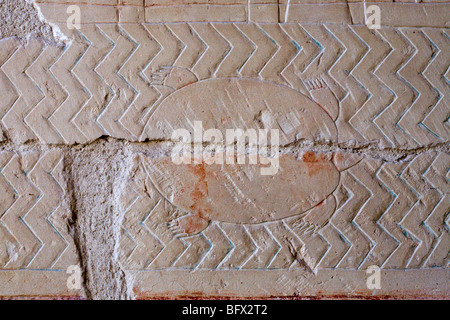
point(392, 84)
point(33, 222)
point(394, 215)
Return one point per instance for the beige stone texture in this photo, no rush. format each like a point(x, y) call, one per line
point(87, 179)
point(379, 214)
point(37, 244)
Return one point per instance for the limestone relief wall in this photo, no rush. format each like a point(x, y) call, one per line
point(345, 102)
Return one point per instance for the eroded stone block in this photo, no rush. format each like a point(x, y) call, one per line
point(111, 78)
point(358, 179)
point(36, 247)
point(391, 215)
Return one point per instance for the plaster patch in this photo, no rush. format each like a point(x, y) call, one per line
point(23, 19)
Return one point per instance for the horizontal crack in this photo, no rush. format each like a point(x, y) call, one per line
point(371, 149)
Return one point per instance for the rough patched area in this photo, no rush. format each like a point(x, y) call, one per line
point(93, 205)
point(98, 174)
point(23, 19)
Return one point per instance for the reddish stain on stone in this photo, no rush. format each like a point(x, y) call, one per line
point(42, 297)
point(192, 224)
point(315, 163)
point(310, 156)
point(140, 295)
point(200, 193)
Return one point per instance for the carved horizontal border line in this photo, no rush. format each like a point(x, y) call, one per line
point(404, 14)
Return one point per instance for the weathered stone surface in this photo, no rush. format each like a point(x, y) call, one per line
point(382, 213)
point(390, 83)
point(428, 14)
point(36, 245)
point(257, 284)
point(87, 179)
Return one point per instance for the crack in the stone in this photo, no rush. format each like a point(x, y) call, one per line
point(350, 13)
point(105, 212)
point(372, 149)
point(49, 34)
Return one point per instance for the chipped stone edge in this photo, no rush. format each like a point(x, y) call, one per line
point(59, 36)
